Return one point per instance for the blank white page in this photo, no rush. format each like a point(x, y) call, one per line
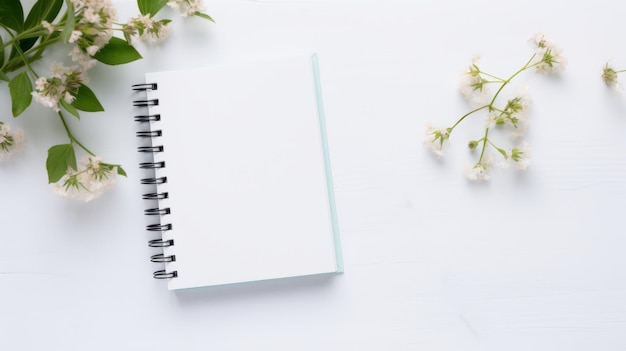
point(249, 182)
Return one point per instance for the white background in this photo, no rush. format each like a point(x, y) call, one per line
point(529, 260)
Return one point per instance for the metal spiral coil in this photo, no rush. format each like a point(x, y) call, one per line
point(154, 165)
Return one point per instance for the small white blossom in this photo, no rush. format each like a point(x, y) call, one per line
point(435, 139)
point(93, 29)
point(186, 7)
point(63, 84)
point(48, 26)
point(477, 172)
point(548, 57)
point(472, 85)
point(609, 76)
point(76, 34)
point(147, 29)
point(11, 142)
point(521, 155)
point(88, 182)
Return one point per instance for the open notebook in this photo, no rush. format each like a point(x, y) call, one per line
point(239, 181)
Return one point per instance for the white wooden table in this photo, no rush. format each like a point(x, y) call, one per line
point(527, 261)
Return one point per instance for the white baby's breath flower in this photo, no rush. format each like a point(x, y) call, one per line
point(146, 29)
point(186, 7)
point(76, 34)
point(48, 26)
point(472, 85)
point(11, 142)
point(88, 182)
point(477, 172)
point(548, 56)
point(609, 76)
point(63, 84)
point(522, 156)
point(435, 138)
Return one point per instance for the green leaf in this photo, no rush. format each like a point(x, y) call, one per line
point(42, 10)
point(151, 7)
point(12, 14)
point(116, 52)
point(1, 52)
point(4, 77)
point(70, 22)
point(60, 158)
point(20, 88)
point(203, 15)
point(121, 171)
point(69, 108)
point(86, 100)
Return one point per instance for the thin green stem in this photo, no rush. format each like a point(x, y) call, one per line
point(485, 140)
point(465, 115)
point(21, 54)
point(492, 76)
point(71, 136)
point(525, 67)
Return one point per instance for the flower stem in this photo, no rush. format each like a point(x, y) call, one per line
point(485, 140)
point(71, 136)
point(467, 114)
point(504, 83)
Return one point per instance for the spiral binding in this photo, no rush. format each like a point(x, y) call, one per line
point(153, 135)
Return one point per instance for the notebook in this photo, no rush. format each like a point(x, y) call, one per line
point(238, 185)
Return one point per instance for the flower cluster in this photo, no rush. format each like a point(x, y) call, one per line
point(186, 7)
point(146, 29)
point(89, 181)
point(93, 29)
point(609, 76)
point(548, 57)
point(87, 27)
point(474, 85)
point(10, 141)
point(63, 84)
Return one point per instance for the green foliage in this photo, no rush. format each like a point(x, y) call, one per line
point(2, 53)
point(24, 38)
point(116, 52)
point(121, 171)
point(12, 14)
point(69, 108)
point(43, 10)
point(86, 100)
point(151, 7)
point(20, 89)
point(204, 15)
point(60, 158)
point(70, 22)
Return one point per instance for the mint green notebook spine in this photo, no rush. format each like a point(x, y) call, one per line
point(329, 177)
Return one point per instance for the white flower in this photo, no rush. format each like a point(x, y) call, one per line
point(93, 29)
point(76, 34)
point(477, 172)
point(11, 142)
point(63, 84)
point(435, 139)
point(548, 57)
point(147, 29)
point(47, 26)
point(82, 58)
point(88, 182)
point(186, 7)
point(472, 85)
point(522, 156)
point(609, 76)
